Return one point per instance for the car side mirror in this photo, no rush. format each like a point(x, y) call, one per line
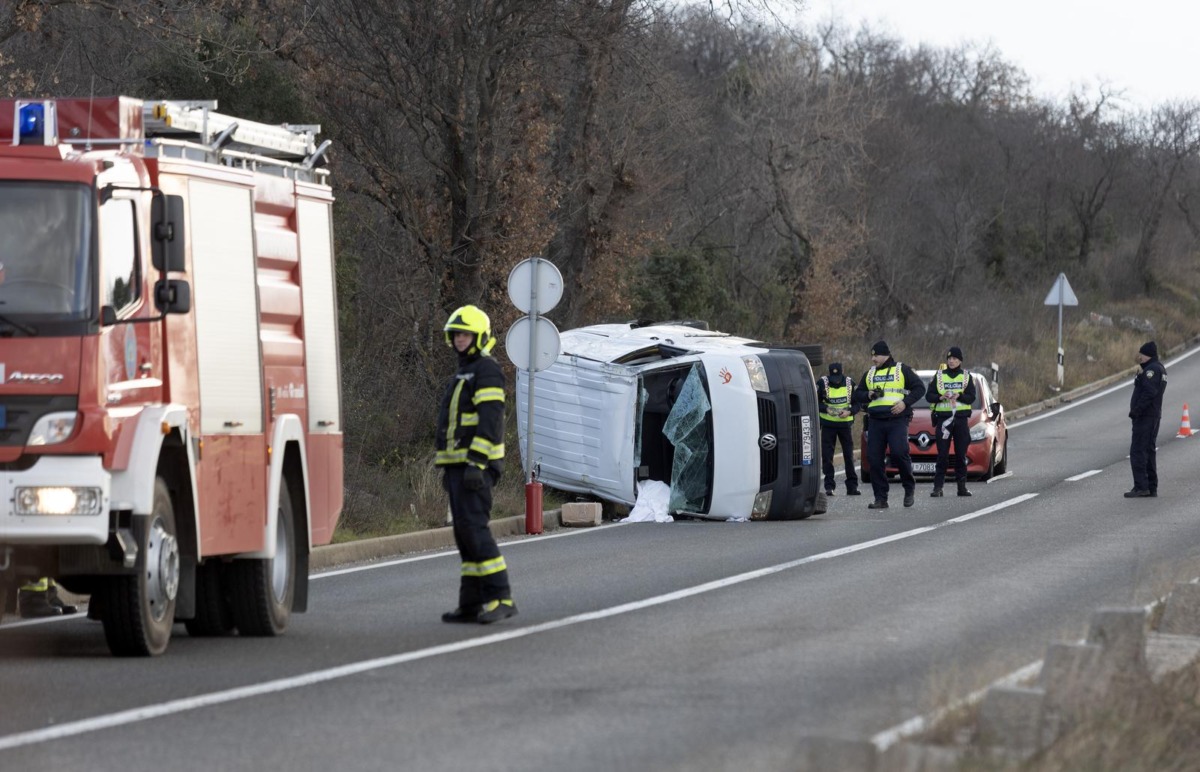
point(995, 410)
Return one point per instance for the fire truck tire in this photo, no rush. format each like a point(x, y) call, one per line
point(261, 590)
point(139, 610)
point(214, 617)
point(8, 596)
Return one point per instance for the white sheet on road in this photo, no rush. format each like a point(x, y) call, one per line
point(653, 503)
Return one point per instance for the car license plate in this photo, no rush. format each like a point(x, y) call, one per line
point(924, 467)
point(3, 417)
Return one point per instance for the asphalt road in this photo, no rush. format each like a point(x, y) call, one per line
point(687, 645)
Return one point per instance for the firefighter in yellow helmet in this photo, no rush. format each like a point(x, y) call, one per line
point(470, 448)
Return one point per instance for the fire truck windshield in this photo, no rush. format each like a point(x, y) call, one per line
point(45, 240)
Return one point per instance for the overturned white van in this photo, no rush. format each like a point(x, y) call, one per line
point(729, 423)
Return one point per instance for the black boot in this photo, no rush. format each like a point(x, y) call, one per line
point(936, 493)
point(962, 488)
point(35, 604)
point(461, 615)
point(495, 610)
point(54, 600)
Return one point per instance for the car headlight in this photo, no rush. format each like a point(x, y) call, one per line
point(58, 500)
point(758, 376)
point(980, 431)
point(762, 506)
point(53, 428)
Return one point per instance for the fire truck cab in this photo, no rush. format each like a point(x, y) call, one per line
point(170, 406)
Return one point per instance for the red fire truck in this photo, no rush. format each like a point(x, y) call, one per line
point(170, 405)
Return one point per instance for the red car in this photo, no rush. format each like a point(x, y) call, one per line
point(988, 454)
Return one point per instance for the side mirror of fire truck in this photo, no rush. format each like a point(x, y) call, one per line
point(167, 237)
point(172, 296)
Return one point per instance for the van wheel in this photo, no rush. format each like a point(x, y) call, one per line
point(821, 505)
point(139, 610)
point(214, 617)
point(261, 590)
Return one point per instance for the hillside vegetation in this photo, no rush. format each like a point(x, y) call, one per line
point(817, 185)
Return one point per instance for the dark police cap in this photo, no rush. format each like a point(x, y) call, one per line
point(955, 352)
point(835, 368)
point(1149, 349)
point(881, 349)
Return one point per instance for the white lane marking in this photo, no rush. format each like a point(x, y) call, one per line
point(1086, 474)
point(994, 478)
point(171, 707)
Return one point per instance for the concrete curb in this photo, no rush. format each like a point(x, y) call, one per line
point(364, 550)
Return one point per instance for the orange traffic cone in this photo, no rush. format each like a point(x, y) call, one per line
point(1185, 429)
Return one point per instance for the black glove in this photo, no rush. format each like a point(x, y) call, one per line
point(473, 478)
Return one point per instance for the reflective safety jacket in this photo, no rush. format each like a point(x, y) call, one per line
point(946, 383)
point(896, 382)
point(471, 419)
point(835, 399)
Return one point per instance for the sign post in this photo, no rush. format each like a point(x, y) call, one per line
point(535, 287)
point(1061, 295)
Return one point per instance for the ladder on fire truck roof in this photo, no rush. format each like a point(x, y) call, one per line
point(197, 122)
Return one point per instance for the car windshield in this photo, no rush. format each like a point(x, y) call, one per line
point(44, 242)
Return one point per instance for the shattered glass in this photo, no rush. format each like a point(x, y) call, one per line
point(687, 430)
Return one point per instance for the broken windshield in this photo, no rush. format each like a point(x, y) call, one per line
point(44, 241)
point(687, 429)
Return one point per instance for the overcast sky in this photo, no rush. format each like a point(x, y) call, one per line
point(1147, 48)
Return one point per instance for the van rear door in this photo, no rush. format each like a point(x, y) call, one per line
point(583, 426)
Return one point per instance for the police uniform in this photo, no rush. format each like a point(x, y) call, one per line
point(470, 448)
point(950, 395)
point(833, 394)
point(883, 386)
point(1145, 410)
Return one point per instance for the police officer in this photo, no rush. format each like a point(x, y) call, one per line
point(950, 396)
point(837, 424)
point(470, 447)
point(1145, 410)
point(889, 390)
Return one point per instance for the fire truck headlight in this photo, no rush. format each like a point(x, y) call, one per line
point(53, 428)
point(59, 501)
point(758, 376)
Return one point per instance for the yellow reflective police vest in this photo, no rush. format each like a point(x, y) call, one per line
point(947, 385)
point(837, 399)
point(889, 380)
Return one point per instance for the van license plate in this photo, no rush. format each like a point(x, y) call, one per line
point(3, 417)
point(924, 467)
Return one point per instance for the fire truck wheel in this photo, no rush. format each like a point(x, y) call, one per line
point(261, 590)
point(8, 596)
point(138, 610)
point(214, 617)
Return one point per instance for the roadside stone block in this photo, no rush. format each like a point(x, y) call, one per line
point(1074, 676)
point(818, 754)
point(920, 757)
point(1166, 654)
point(1121, 632)
point(1182, 614)
point(1010, 717)
point(581, 514)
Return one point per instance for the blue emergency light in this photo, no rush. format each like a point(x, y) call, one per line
point(36, 124)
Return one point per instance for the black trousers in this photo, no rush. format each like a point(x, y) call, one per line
point(833, 432)
point(1143, 457)
point(484, 572)
point(884, 435)
point(960, 435)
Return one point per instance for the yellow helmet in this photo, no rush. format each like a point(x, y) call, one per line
point(470, 319)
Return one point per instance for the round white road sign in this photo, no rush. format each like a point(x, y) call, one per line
point(545, 344)
point(535, 286)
